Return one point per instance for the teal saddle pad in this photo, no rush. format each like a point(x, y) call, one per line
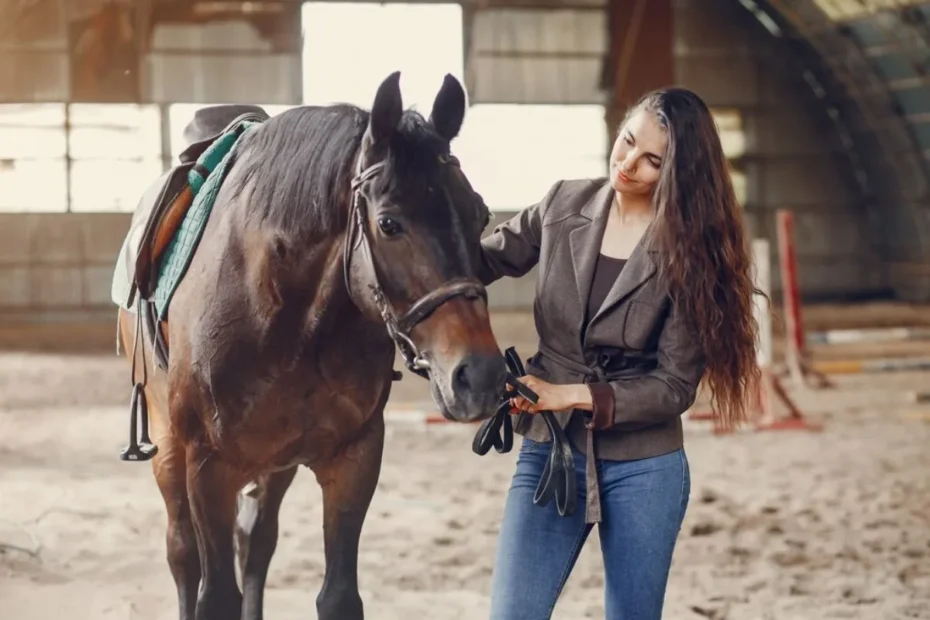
point(205, 178)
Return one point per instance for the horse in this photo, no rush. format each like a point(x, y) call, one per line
point(337, 234)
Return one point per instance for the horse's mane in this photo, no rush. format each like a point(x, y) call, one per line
point(295, 170)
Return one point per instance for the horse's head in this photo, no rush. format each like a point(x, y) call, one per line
point(412, 250)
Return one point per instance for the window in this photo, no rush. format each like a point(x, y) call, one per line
point(114, 151)
point(115, 154)
point(733, 140)
point(32, 157)
point(351, 47)
point(513, 153)
point(839, 10)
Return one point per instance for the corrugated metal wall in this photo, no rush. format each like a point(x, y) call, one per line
point(871, 60)
point(34, 62)
point(538, 56)
point(219, 62)
point(222, 61)
point(792, 159)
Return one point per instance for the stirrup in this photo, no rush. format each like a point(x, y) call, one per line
point(142, 449)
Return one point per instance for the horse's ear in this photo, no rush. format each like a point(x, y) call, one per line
point(386, 110)
point(448, 108)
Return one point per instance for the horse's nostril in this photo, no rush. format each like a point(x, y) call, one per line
point(480, 376)
point(460, 380)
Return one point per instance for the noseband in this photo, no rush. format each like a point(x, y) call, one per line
point(399, 329)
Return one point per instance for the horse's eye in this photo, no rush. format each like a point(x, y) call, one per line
point(388, 226)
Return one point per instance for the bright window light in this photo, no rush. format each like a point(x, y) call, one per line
point(514, 153)
point(349, 48)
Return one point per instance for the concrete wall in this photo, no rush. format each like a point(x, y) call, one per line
point(58, 266)
point(792, 159)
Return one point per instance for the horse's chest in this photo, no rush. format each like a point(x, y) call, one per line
point(303, 411)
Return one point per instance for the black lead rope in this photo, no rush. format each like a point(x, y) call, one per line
point(558, 477)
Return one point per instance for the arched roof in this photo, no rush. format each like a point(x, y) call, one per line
point(868, 61)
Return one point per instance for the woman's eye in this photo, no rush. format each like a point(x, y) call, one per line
point(388, 226)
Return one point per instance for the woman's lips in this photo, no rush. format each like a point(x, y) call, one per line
point(623, 177)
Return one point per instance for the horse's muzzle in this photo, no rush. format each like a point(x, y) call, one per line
point(477, 383)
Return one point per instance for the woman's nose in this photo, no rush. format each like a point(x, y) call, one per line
point(628, 163)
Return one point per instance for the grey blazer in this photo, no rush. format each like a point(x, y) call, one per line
point(637, 355)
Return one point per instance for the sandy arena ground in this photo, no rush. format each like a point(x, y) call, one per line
point(782, 526)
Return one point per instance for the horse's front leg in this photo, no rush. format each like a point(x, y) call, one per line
point(257, 537)
point(212, 488)
point(348, 484)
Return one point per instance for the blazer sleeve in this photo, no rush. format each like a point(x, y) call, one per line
point(513, 248)
point(664, 393)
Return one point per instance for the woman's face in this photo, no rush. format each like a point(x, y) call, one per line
point(637, 154)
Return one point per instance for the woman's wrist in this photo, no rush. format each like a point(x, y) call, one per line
point(580, 396)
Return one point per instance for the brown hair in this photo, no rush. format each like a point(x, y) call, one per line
point(707, 261)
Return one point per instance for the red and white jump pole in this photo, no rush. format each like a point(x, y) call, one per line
point(766, 418)
point(797, 363)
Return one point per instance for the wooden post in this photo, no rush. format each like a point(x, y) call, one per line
point(766, 418)
point(762, 275)
point(796, 359)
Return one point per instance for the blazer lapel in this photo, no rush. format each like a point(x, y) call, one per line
point(585, 243)
point(639, 268)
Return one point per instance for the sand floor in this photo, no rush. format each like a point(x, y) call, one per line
point(784, 526)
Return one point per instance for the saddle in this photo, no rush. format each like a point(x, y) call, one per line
point(164, 204)
point(158, 216)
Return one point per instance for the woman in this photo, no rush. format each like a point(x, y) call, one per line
point(644, 286)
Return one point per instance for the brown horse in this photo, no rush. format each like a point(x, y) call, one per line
point(336, 234)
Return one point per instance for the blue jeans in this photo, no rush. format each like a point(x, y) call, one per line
point(643, 503)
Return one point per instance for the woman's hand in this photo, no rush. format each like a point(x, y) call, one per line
point(552, 397)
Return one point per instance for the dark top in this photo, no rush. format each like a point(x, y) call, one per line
point(605, 274)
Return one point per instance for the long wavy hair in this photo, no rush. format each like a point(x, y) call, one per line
point(707, 263)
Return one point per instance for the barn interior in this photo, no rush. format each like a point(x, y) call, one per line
point(821, 510)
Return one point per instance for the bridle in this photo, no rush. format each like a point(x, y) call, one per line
point(399, 329)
